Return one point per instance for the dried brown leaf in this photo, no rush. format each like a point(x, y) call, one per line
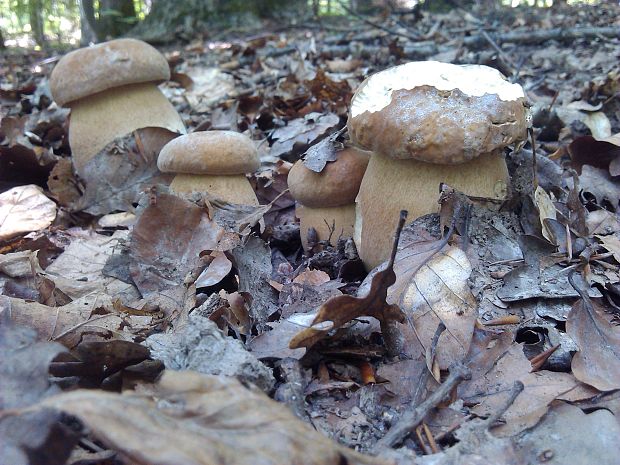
point(598, 361)
point(432, 287)
point(24, 209)
point(191, 418)
point(339, 310)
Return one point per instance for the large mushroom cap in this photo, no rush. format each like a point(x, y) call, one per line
point(116, 63)
point(437, 112)
point(336, 185)
point(210, 152)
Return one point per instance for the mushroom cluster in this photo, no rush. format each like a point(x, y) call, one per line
point(112, 91)
point(429, 123)
point(326, 200)
point(212, 162)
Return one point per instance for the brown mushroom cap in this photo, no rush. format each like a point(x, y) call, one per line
point(210, 152)
point(104, 66)
point(437, 112)
point(336, 185)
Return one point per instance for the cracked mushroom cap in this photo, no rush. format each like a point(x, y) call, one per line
point(437, 112)
point(104, 66)
point(209, 152)
point(336, 185)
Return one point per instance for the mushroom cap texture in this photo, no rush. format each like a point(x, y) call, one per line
point(437, 112)
point(209, 152)
point(104, 66)
point(336, 185)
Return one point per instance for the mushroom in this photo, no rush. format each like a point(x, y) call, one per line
point(326, 200)
point(112, 91)
point(213, 162)
point(428, 123)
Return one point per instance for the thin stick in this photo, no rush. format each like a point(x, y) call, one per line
point(417, 394)
point(412, 417)
point(517, 388)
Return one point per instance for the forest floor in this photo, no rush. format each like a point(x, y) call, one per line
point(127, 338)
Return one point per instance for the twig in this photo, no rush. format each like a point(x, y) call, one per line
point(517, 388)
point(421, 386)
point(412, 417)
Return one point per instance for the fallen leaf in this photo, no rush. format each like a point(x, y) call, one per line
point(191, 418)
point(78, 271)
point(566, 434)
point(612, 244)
point(119, 173)
point(24, 209)
point(589, 150)
point(24, 364)
point(166, 244)
point(546, 209)
point(253, 264)
point(539, 276)
point(432, 287)
point(298, 134)
point(207, 87)
point(598, 361)
point(339, 310)
point(217, 270)
point(317, 156)
point(34, 438)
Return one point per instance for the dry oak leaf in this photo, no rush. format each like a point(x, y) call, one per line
point(24, 209)
point(598, 361)
point(432, 287)
point(194, 419)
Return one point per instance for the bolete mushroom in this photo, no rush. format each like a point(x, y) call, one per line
point(112, 91)
point(428, 123)
point(213, 162)
point(326, 200)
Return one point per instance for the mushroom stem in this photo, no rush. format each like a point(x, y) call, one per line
point(378, 201)
point(330, 223)
point(100, 118)
point(234, 188)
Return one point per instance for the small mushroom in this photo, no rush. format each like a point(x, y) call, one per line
point(213, 162)
point(326, 200)
point(428, 123)
point(112, 91)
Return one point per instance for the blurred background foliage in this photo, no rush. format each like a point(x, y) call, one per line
point(60, 23)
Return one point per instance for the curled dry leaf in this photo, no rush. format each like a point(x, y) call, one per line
point(601, 153)
point(24, 209)
point(598, 361)
point(317, 156)
point(197, 419)
point(546, 209)
point(339, 310)
point(217, 270)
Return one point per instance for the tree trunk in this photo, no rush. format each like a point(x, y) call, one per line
point(88, 23)
point(2, 45)
point(35, 14)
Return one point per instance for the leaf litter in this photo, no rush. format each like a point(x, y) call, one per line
point(491, 319)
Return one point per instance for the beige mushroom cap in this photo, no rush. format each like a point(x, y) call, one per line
point(437, 112)
point(209, 152)
point(104, 66)
point(336, 185)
